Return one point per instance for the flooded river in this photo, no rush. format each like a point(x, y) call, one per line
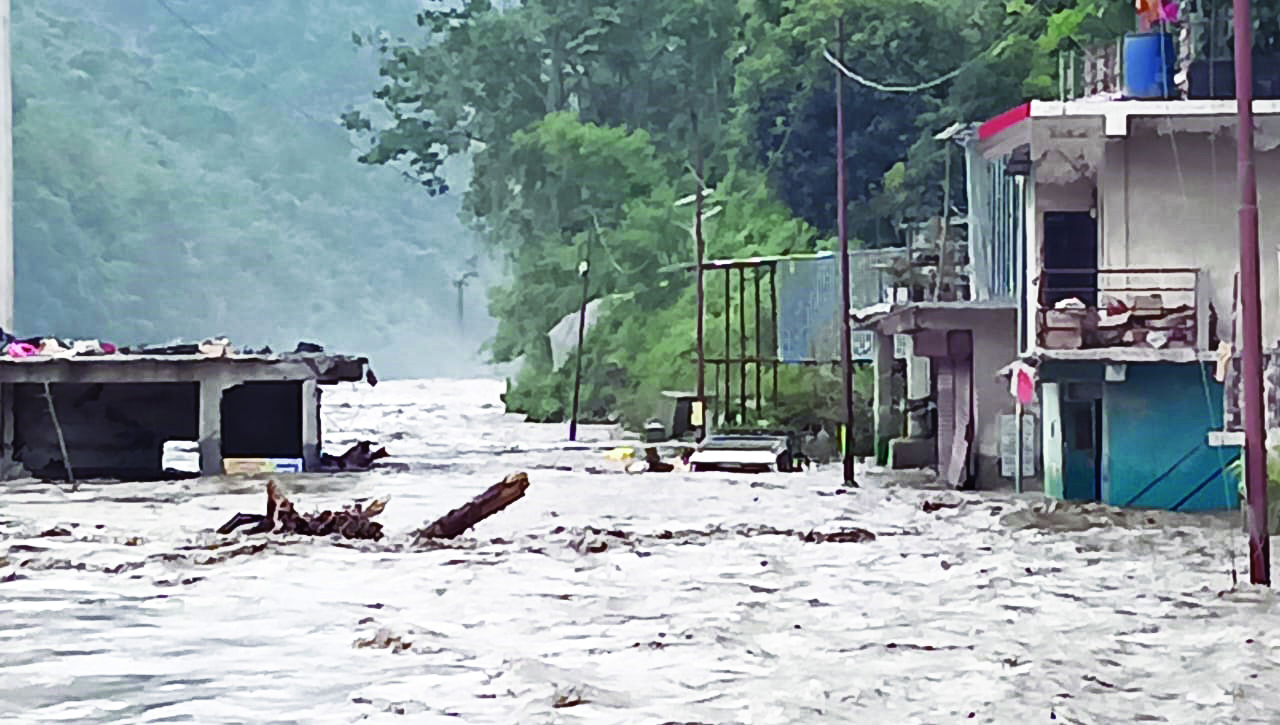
point(607, 598)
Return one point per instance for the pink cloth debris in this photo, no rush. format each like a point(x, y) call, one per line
point(22, 349)
point(1022, 383)
point(108, 348)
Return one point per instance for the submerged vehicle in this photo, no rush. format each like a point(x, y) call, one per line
point(745, 454)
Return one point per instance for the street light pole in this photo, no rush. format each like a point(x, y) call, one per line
point(699, 253)
point(583, 269)
point(846, 331)
point(1255, 452)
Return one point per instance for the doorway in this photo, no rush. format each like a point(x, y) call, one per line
point(1070, 258)
point(1082, 443)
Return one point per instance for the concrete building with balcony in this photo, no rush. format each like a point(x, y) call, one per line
point(955, 339)
point(1131, 258)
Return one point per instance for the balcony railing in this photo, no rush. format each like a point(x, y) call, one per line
point(1155, 308)
point(1202, 43)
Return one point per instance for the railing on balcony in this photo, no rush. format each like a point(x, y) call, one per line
point(1202, 41)
point(1156, 308)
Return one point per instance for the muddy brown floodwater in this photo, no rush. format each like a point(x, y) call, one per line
point(607, 598)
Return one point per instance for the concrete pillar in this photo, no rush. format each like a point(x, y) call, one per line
point(883, 397)
point(6, 173)
point(211, 426)
point(919, 388)
point(310, 425)
point(6, 430)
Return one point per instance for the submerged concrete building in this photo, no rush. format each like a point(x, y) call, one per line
point(109, 416)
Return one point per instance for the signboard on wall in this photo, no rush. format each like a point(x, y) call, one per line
point(1008, 449)
point(901, 347)
point(863, 346)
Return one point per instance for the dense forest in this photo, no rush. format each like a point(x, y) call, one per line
point(586, 121)
point(181, 171)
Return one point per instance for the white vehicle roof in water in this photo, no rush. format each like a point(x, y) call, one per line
point(735, 457)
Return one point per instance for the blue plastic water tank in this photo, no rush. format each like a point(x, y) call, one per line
point(1149, 61)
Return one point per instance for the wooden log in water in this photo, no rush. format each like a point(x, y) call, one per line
point(496, 498)
point(355, 521)
point(352, 522)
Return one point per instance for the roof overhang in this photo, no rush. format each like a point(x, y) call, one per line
point(1043, 124)
point(920, 316)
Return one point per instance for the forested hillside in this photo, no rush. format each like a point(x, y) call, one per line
point(585, 119)
point(180, 171)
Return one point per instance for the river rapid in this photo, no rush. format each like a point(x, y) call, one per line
point(610, 598)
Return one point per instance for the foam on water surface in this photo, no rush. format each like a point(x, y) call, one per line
point(603, 598)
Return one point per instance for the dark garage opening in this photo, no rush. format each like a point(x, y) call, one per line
point(115, 430)
point(262, 420)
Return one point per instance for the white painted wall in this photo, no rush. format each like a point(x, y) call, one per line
point(1181, 200)
point(1171, 200)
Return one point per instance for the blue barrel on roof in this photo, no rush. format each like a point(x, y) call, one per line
point(1149, 62)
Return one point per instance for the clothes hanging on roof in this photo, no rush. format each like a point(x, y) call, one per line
point(21, 350)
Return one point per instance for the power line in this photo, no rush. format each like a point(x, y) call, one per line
point(887, 88)
point(896, 89)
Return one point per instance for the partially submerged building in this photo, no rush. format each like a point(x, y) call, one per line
point(110, 415)
point(954, 346)
point(1131, 266)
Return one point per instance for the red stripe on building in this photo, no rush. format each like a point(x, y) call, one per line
point(1005, 120)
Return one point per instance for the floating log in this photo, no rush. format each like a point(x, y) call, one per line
point(355, 521)
point(352, 522)
point(499, 496)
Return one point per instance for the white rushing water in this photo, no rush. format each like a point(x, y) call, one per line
point(574, 606)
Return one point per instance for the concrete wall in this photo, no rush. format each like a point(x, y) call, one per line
point(994, 346)
point(1171, 200)
point(1181, 201)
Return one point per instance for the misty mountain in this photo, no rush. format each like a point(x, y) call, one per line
point(179, 172)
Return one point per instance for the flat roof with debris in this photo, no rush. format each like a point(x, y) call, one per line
point(120, 367)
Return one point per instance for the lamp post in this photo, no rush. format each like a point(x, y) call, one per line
point(583, 271)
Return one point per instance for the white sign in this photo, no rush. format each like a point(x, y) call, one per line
point(862, 345)
point(1008, 450)
point(901, 347)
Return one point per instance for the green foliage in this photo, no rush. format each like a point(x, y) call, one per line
point(166, 187)
point(585, 121)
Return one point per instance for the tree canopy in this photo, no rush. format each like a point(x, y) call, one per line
point(584, 122)
point(181, 171)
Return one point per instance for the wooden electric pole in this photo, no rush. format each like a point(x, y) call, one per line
point(1255, 436)
point(846, 330)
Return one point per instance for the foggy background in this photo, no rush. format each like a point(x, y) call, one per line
point(180, 172)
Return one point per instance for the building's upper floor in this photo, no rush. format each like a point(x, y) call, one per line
point(1129, 214)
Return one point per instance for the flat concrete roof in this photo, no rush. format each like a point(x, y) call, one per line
point(1005, 132)
point(119, 368)
point(897, 319)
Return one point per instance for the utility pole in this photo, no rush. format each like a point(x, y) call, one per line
point(584, 268)
point(460, 284)
point(1255, 441)
point(6, 172)
point(846, 331)
point(700, 252)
